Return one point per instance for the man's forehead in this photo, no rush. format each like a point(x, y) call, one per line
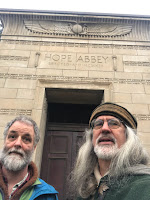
point(106, 117)
point(19, 125)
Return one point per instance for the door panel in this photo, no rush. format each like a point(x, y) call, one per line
point(60, 149)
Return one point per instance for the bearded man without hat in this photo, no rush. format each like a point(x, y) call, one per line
point(18, 174)
point(111, 164)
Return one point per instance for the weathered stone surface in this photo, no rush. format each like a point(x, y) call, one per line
point(25, 94)
point(122, 97)
point(141, 98)
point(19, 83)
point(97, 53)
point(76, 73)
point(129, 88)
point(17, 70)
point(16, 104)
point(8, 93)
point(146, 125)
point(136, 109)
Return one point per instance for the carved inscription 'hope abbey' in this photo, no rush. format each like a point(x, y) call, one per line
point(62, 58)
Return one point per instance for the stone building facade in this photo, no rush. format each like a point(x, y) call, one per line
point(74, 59)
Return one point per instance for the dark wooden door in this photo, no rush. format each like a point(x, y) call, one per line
point(60, 149)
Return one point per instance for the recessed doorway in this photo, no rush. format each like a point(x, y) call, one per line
point(69, 111)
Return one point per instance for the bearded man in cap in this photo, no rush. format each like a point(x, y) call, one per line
point(18, 174)
point(111, 164)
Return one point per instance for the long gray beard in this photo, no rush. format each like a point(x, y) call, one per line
point(15, 162)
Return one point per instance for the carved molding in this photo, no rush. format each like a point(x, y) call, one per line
point(18, 58)
point(142, 117)
point(15, 112)
point(73, 28)
point(78, 45)
point(74, 79)
point(136, 63)
point(73, 25)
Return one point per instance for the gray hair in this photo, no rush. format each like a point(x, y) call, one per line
point(28, 121)
point(131, 154)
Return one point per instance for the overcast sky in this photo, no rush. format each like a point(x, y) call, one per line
point(135, 7)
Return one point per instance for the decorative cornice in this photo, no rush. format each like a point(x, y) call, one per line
point(83, 28)
point(75, 26)
point(4, 111)
point(73, 79)
point(78, 45)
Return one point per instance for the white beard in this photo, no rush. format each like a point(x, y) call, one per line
point(106, 152)
point(15, 162)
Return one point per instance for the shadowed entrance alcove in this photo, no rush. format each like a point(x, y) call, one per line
point(67, 117)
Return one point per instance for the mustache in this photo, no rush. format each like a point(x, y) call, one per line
point(106, 138)
point(16, 151)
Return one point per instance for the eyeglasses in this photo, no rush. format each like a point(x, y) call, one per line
point(112, 123)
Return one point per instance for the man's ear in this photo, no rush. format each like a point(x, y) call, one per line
point(4, 140)
point(35, 147)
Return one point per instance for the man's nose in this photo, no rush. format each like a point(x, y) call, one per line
point(18, 142)
point(105, 126)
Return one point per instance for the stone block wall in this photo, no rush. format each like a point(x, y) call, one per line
point(48, 50)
